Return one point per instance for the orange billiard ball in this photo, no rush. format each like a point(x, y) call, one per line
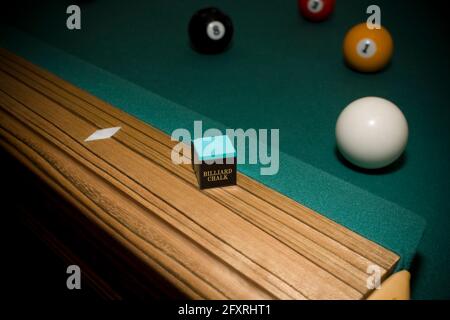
point(368, 50)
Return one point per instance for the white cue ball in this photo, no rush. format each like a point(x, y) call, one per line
point(371, 133)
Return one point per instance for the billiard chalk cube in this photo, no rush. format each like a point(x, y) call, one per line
point(214, 161)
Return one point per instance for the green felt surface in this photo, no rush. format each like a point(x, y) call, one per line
point(281, 72)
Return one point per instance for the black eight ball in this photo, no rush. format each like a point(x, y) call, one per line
point(210, 31)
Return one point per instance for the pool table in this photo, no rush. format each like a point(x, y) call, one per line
point(281, 72)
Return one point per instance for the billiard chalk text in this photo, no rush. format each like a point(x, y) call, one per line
point(217, 175)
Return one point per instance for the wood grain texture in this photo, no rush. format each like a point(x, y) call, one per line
point(240, 242)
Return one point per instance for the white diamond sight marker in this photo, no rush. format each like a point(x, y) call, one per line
point(103, 134)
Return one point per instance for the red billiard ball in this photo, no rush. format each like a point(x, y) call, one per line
point(316, 10)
